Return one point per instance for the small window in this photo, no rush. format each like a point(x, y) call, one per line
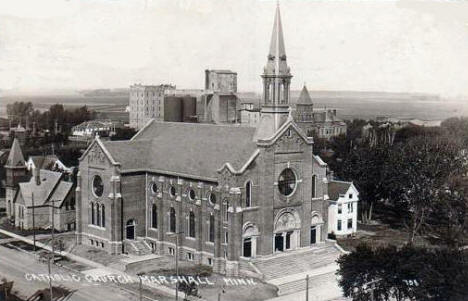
point(154, 188)
point(350, 196)
point(338, 226)
point(171, 251)
point(212, 229)
point(92, 242)
point(172, 191)
point(340, 208)
point(210, 261)
point(350, 223)
point(102, 245)
point(192, 194)
point(226, 237)
point(190, 256)
point(212, 198)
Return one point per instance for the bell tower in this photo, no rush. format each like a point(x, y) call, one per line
point(276, 84)
point(16, 171)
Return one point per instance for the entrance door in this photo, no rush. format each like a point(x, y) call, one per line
point(130, 229)
point(288, 240)
point(313, 235)
point(247, 247)
point(279, 242)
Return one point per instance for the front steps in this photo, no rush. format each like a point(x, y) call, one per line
point(288, 270)
point(137, 247)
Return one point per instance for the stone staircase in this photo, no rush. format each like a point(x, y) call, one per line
point(297, 261)
point(137, 247)
point(315, 282)
point(288, 271)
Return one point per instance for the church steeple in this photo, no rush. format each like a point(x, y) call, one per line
point(276, 75)
point(276, 82)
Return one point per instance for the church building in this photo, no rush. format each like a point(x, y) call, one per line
point(224, 193)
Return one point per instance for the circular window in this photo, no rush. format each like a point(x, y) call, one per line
point(212, 198)
point(192, 194)
point(154, 187)
point(98, 186)
point(287, 182)
point(172, 191)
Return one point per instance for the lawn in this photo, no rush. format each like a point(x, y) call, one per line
point(378, 234)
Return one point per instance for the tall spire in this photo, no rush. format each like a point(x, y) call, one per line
point(276, 64)
point(15, 158)
point(276, 85)
point(304, 97)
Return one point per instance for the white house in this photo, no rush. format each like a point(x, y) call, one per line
point(343, 207)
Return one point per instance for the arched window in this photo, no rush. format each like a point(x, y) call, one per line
point(212, 229)
point(93, 219)
point(154, 216)
point(98, 215)
point(248, 194)
point(172, 220)
point(191, 224)
point(103, 216)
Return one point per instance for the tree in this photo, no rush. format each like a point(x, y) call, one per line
point(407, 273)
point(19, 110)
point(420, 169)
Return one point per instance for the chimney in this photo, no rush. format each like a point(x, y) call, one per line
point(37, 175)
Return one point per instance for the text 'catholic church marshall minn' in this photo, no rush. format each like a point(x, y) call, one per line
point(229, 192)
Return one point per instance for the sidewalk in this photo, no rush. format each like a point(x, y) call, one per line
point(97, 267)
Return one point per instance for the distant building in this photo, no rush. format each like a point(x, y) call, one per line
point(343, 207)
point(146, 103)
point(249, 114)
point(322, 123)
point(93, 128)
point(221, 81)
point(219, 103)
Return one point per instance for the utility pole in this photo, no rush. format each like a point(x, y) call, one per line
point(177, 264)
point(33, 222)
point(307, 288)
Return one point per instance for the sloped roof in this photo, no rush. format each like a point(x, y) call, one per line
point(44, 162)
point(337, 188)
point(15, 158)
point(304, 97)
point(186, 149)
point(61, 192)
point(42, 192)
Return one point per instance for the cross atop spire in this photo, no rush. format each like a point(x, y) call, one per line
point(276, 64)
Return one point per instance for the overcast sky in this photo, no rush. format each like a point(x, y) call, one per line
point(377, 45)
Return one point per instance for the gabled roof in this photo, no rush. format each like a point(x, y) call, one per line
point(44, 162)
point(304, 97)
point(337, 188)
point(61, 192)
point(15, 158)
point(184, 149)
point(42, 192)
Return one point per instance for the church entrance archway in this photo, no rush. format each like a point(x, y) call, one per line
point(316, 228)
point(287, 231)
point(130, 229)
point(249, 240)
